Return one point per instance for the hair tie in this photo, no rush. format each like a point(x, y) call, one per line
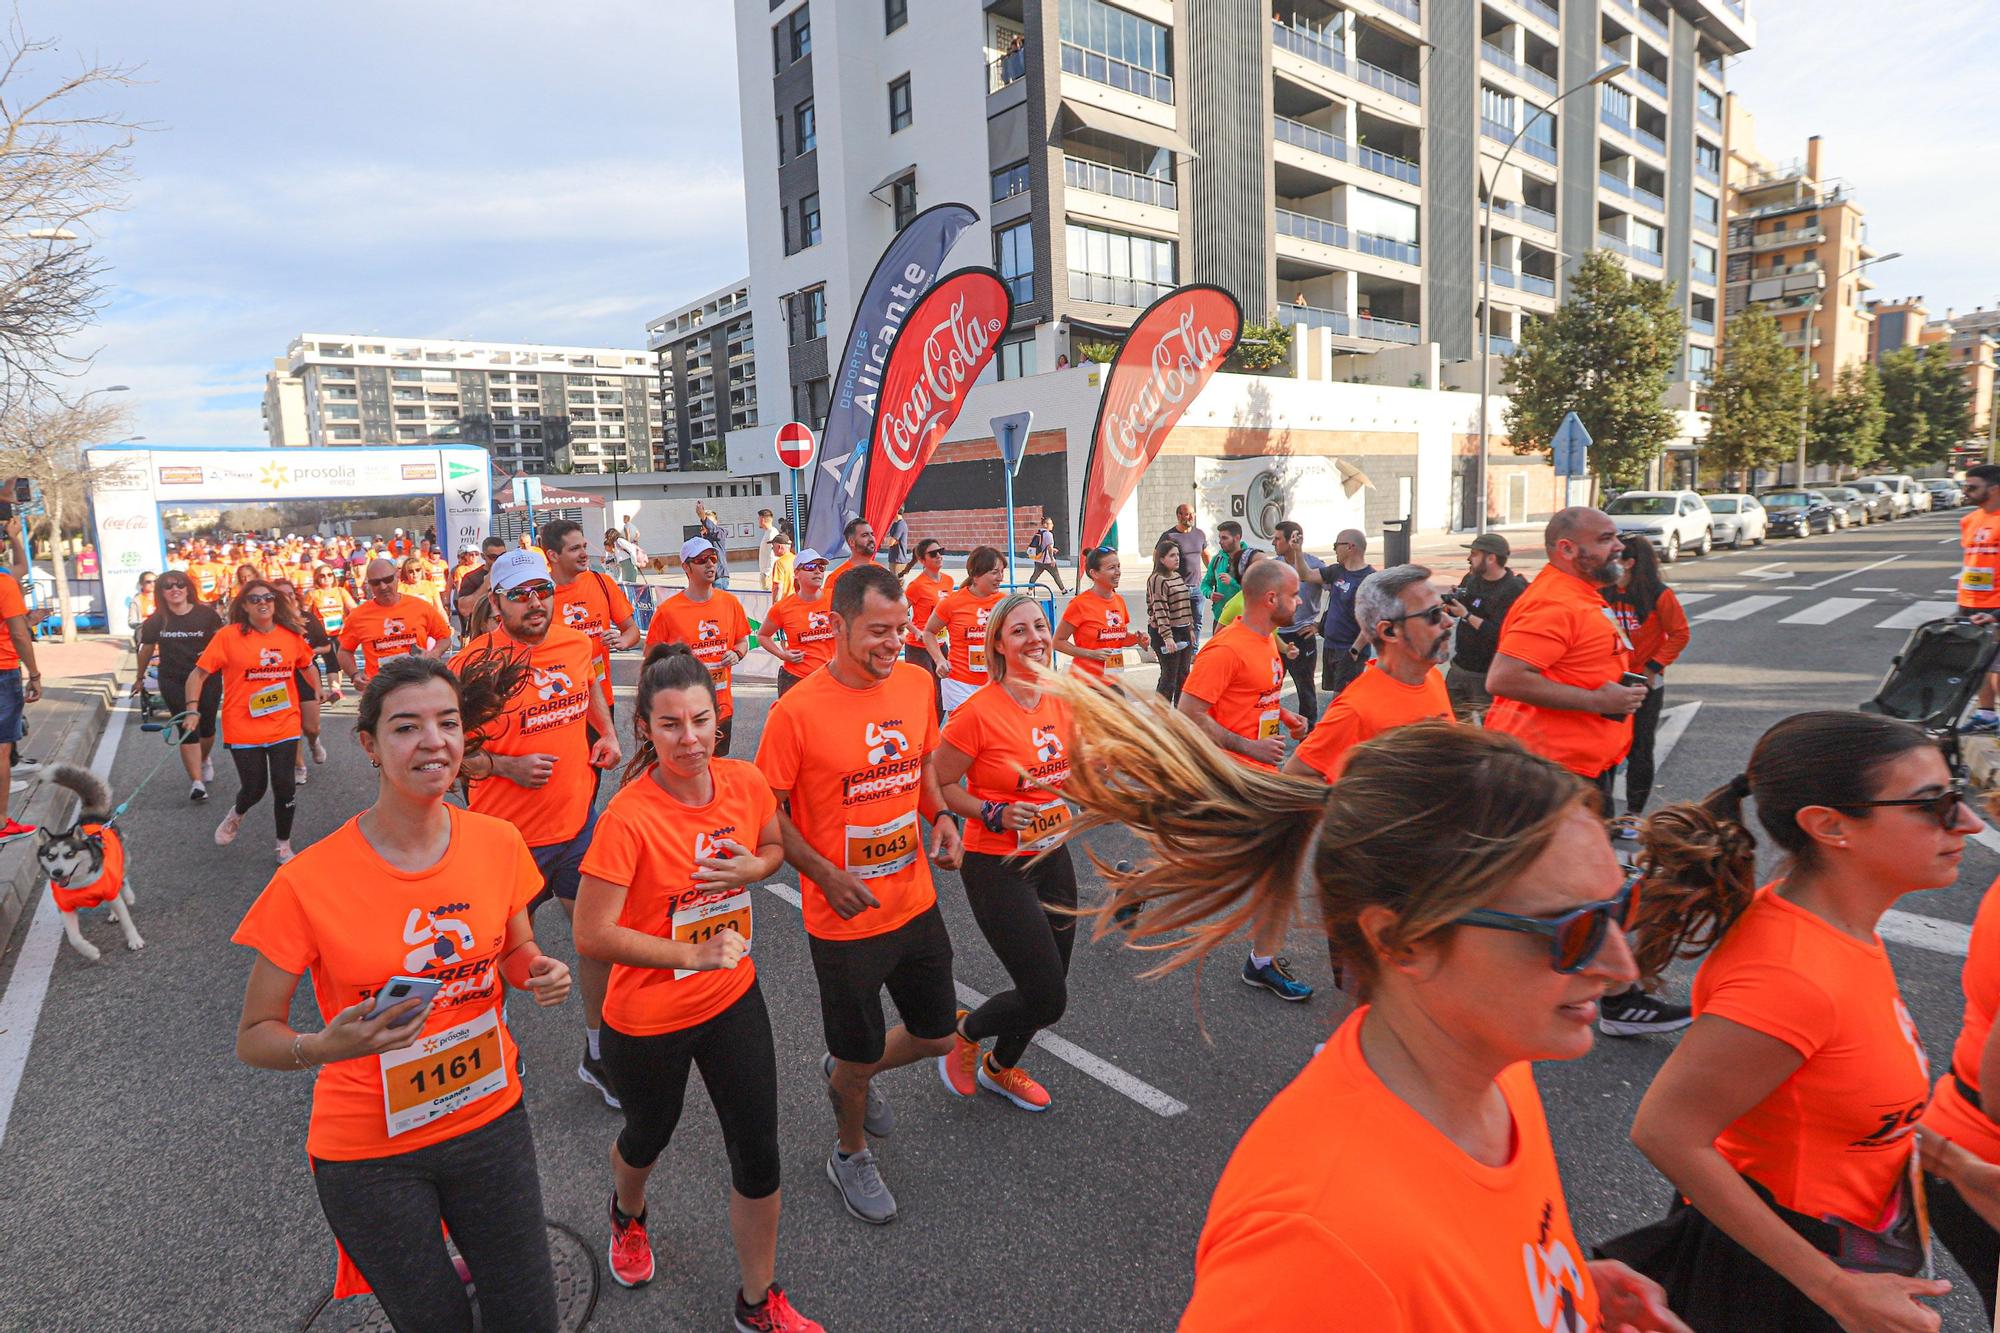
point(1739, 786)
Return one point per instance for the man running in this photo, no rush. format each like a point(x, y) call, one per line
point(1233, 694)
point(1978, 586)
point(711, 622)
point(587, 601)
point(798, 629)
point(390, 623)
point(848, 753)
point(1480, 605)
point(860, 539)
point(537, 767)
point(1412, 631)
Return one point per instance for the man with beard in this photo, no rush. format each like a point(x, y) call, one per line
point(860, 539)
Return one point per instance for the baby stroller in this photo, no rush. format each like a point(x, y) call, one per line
point(1936, 676)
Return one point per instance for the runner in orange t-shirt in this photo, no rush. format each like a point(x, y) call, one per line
point(334, 604)
point(1096, 627)
point(861, 549)
point(1957, 1110)
point(924, 592)
point(412, 888)
point(798, 629)
point(709, 620)
point(666, 900)
point(1979, 573)
point(587, 601)
point(389, 624)
point(258, 654)
point(848, 752)
point(961, 616)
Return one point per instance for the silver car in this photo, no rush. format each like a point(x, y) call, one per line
point(1736, 519)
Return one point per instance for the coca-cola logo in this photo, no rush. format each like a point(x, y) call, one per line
point(1185, 355)
point(124, 523)
point(947, 358)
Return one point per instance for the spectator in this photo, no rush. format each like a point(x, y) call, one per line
point(1042, 550)
point(713, 534)
point(17, 649)
point(1653, 619)
point(1299, 641)
point(896, 551)
point(1343, 649)
point(1170, 619)
point(1219, 578)
point(767, 534)
point(781, 568)
point(1479, 603)
point(1194, 552)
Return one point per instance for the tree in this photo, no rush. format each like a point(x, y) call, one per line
point(1846, 425)
point(1261, 346)
point(1928, 407)
point(1754, 400)
point(1605, 355)
point(43, 439)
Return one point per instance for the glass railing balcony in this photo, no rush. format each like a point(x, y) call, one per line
point(1615, 184)
point(1644, 256)
point(1704, 276)
point(1606, 241)
point(1391, 83)
point(1502, 277)
point(1544, 11)
point(1545, 82)
point(1652, 20)
point(1409, 9)
point(1651, 81)
point(1312, 317)
point(1309, 137)
point(1387, 330)
point(1494, 56)
point(1705, 327)
point(1310, 45)
point(1708, 173)
point(1645, 196)
point(1388, 164)
point(1103, 289)
point(1538, 149)
point(1538, 217)
point(1009, 68)
point(1308, 228)
point(1708, 118)
point(1082, 174)
point(1610, 55)
point(1538, 285)
point(1706, 226)
point(1500, 346)
point(1100, 68)
point(1496, 129)
point(1617, 124)
point(1384, 247)
point(1650, 140)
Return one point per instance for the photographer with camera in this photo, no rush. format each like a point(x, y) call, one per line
point(1480, 604)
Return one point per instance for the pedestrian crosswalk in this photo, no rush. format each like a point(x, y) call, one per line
point(1721, 607)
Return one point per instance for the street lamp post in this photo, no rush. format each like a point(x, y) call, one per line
point(1806, 361)
point(1609, 72)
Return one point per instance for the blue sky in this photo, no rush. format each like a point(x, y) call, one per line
point(562, 173)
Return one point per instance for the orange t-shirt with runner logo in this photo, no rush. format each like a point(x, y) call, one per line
point(1016, 753)
point(377, 633)
point(807, 627)
point(964, 614)
point(1376, 702)
point(1562, 626)
point(649, 842)
point(853, 762)
point(351, 919)
point(260, 699)
point(333, 605)
point(1834, 1139)
point(1963, 1122)
point(1341, 1198)
point(546, 716)
point(1240, 676)
point(712, 628)
point(924, 593)
point(592, 603)
point(1099, 622)
point(211, 580)
point(1979, 572)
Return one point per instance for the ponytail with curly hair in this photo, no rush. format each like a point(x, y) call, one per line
point(483, 684)
point(668, 666)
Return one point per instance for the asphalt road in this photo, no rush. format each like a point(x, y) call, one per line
point(149, 1181)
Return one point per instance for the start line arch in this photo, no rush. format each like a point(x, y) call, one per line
point(131, 484)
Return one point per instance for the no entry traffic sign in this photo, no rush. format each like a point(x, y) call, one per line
point(795, 444)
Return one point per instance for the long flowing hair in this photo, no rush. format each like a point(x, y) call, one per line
point(283, 610)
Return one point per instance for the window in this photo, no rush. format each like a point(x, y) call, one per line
point(1117, 268)
point(1645, 236)
point(1113, 46)
point(1707, 209)
point(809, 402)
point(1704, 260)
point(1708, 157)
point(1010, 181)
point(1016, 359)
point(809, 221)
point(1701, 364)
point(1708, 102)
point(803, 138)
point(1617, 104)
point(1496, 106)
point(799, 33)
point(1014, 259)
point(903, 195)
point(806, 317)
point(899, 104)
point(895, 13)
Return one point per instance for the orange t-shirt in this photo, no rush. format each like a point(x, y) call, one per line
point(964, 614)
point(1950, 1114)
point(333, 604)
point(110, 876)
point(1016, 752)
point(1099, 622)
point(648, 842)
point(923, 593)
point(260, 704)
point(1835, 1138)
point(1562, 626)
point(547, 716)
point(712, 628)
point(833, 575)
point(12, 604)
point(211, 580)
point(1376, 702)
point(853, 761)
point(1340, 1197)
point(592, 603)
point(1979, 539)
point(343, 913)
point(1240, 676)
point(806, 627)
point(377, 633)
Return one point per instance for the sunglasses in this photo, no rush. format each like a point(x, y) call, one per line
point(260, 599)
point(1943, 807)
point(1436, 615)
point(382, 582)
point(1576, 937)
point(530, 592)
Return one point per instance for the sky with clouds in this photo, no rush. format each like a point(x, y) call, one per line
point(562, 173)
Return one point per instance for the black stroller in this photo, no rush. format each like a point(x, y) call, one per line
point(1935, 678)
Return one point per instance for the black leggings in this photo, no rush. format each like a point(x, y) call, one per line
point(329, 666)
point(1011, 898)
point(1173, 666)
point(174, 694)
point(1966, 1234)
point(484, 1186)
point(261, 766)
point(739, 1067)
point(1639, 763)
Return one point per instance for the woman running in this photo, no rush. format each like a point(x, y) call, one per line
point(1096, 627)
point(417, 1117)
point(1958, 1111)
point(961, 616)
point(1653, 619)
point(666, 899)
point(331, 602)
point(1170, 619)
point(1787, 1118)
point(311, 680)
point(1010, 744)
point(924, 592)
point(1405, 1179)
point(177, 633)
point(414, 577)
point(259, 656)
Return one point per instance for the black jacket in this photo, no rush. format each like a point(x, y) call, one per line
point(1473, 649)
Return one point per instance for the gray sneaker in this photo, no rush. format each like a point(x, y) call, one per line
point(859, 1181)
point(878, 1119)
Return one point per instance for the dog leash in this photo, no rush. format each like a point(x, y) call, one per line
point(172, 731)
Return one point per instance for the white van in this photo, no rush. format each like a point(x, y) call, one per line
point(1906, 495)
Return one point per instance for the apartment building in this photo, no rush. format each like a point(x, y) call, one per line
point(707, 353)
point(1971, 339)
point(1316, 160)
point(1796, 237)
point(534, 408)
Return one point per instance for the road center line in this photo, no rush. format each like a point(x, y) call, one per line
point(1110, 1075)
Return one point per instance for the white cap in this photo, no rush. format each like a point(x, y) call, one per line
point(517, 567)
point(696, 547)
point(808, 557)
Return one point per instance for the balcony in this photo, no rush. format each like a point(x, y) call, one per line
point(1119, 74)
point(1606, 241)
point(1799, 337)
point(1648, 139)
point(1536, 285)
point(1103, 289)
point(1536, 148)
point(1706, 226)
point(1641, 255)
point(1704, 327)
point(1118, 183)
point(1499, 59)
point(1409, 9)
point(1383, 80)
point(1641, 194)
point(1496, 129)
point(1383, 247)
point(1314, 48)
point(1545, 82)
point(1500, 346)
point(1009, 68)
point(1615, 184)
point(1386, 330)
point(1651, 82)
point(1501, 277)
point(1652, 20)
point(1308, 228)
point(1312, 317)
point(1527, 213)
point(1311, 138)
point(1388, 164)
point(1707, 117)
point(1774, 240)
point(1544, 11)
point(1707, 173)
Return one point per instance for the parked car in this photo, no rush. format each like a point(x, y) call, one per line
point(1889, 506)
point(1863, 507)
point(1845, 513)
point(1735, 519)
point(1673, 521)
point(1916, 500)
point(1945, 493)
point(1799, 513)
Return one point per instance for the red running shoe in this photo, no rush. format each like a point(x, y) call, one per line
point(775, 1315)
point(631, 1251)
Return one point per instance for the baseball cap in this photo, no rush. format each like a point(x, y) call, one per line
point(517, 567)
point(807, 557)
point(696, 547)
point(1490, 543)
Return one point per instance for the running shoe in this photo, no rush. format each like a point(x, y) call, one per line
point(1980, 726)
point(24, 766)
point(208, 770)
point(859, 1181)
point(285, 852)
point(299, 775)
point(1276, 977)
point(318, 751)
point(1015, 1085)
point(597, 1076)
point(878, 1119)
point(197, 792)
point(1637, 1014)
point(13, 829)
point(958, 1067)
point(632, 1251)
point(775, 1315)
point(225, 832)
point(333, 696)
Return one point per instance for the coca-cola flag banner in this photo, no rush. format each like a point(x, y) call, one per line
point(1167, 356)
point(946, 342)
point(905, 271)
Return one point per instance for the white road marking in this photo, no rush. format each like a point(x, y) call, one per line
point(28, 987)
point(1918, 613)
point(1925, 932)
point(1738, 609)
point(1690, 598)
point(1110, 1075)
point(1769, 573)
point(1828, 611)
point(1942, 541)
point(1863, 570)
point(1673, 725)
point(1878, 590)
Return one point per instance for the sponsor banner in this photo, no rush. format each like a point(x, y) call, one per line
point(1170, 352)
point(280, 474)
point(904, 273)
point(945, 344)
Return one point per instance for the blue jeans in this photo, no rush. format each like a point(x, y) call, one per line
point(10, 706)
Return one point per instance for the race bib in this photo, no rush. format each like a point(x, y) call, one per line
point(1114, 665)
point(1268, 723)
point(273, 698)
point(442, 1073)
point(883, 849)
point(1047, 826)
point(975, 657)
point(702, 920)
point(1971, 579)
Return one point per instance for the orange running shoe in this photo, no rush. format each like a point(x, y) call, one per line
point(631, 1251)
point(957, 1067)
point(1015, 1085)
point(775, 1315)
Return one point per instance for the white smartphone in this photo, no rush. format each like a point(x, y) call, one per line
point(398, 989)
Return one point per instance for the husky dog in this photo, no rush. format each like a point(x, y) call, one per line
point(86, 863)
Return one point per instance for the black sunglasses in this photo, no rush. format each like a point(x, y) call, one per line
point(260, 599)
point(1943, 807)
point(376, 583)
point(1435, 615)
point(1575, 937)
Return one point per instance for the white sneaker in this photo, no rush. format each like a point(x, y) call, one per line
point(318, 750)
point(285, 852)
point(299, 775)
point(225, 832)
point(207, 770)
point(22, 767)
